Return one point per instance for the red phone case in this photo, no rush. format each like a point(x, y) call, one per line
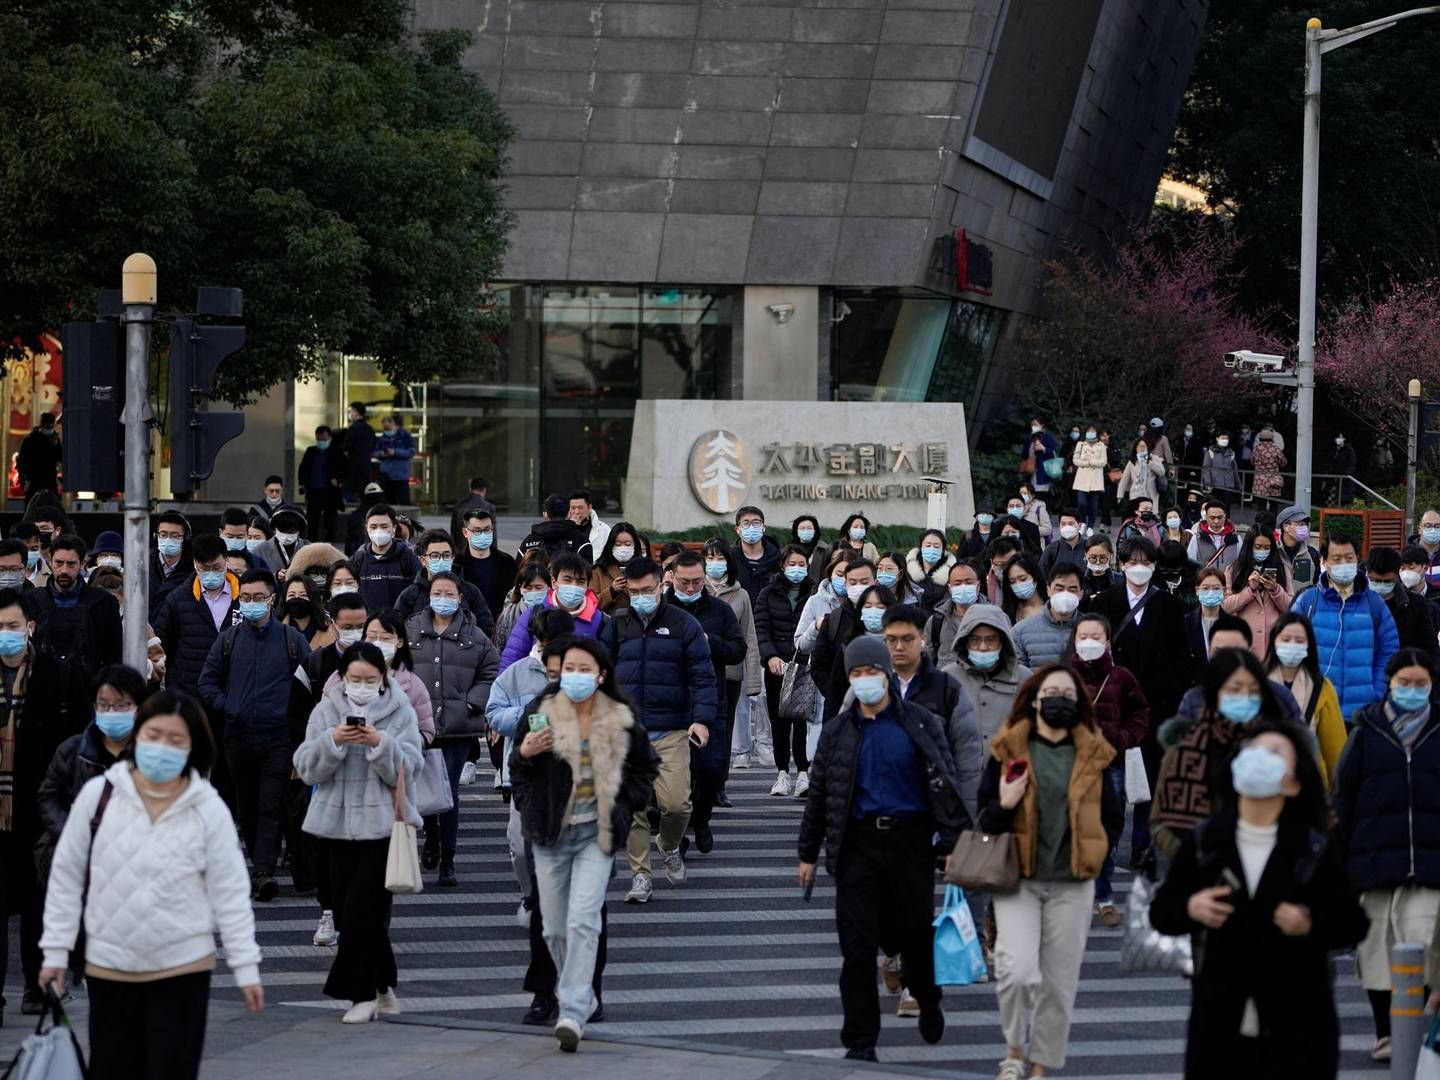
point(1016, 770)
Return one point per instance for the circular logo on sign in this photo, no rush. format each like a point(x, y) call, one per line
point(719, 471)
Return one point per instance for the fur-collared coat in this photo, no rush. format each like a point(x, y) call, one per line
point(625, 767)
point(934, 583)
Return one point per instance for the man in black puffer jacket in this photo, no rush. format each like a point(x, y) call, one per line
point(882, 786)
point(194, 614)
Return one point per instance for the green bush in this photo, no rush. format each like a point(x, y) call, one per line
point(884, 537)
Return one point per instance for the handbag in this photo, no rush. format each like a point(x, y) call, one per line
point(402, 861)
point(49, 1055)
point(1137, 783)
point(1428, 1067)
point(959, 960)
point(1027, 465)
point(1143, 949)
point(432, 786)
point(797, 691)
point(1054, 467)
point(1114, 476)
point(984, 862)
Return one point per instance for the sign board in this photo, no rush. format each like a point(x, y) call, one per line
point(692, 462)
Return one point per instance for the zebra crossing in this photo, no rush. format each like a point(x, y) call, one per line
point(732, 958)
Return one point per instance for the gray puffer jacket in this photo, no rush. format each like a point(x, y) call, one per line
point(355, 784)
point(457, 668)
point(993, 691)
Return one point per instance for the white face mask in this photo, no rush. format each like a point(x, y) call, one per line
point(349, 637)
point(1090, 649)
point(623, 554)
point(387, 650)
point(109, 560)
point(287, 538)
point(381, 537)
point(342, 590)
point(854, 592)
point(361, 693)
point(1064, 603)
point(1410, 578)
point(1139, 574)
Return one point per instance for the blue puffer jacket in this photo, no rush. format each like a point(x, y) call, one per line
point(1388, 804)
point(1356, 664)
point(664, 668)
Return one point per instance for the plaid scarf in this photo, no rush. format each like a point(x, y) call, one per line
point(14, 706)
point(1407, 725)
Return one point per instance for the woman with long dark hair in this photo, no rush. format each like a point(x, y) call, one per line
point(304, 611)
point(1023, 588)
point(532, 584)
point(1294, 660)
point(1259, 588)
point(607, 578)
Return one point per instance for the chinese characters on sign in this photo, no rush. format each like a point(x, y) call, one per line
point(815, 470)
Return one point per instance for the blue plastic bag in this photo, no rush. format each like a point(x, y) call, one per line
point(959, 960)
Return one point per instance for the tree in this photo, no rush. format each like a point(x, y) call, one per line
point(1143, 333)
point(302, 150)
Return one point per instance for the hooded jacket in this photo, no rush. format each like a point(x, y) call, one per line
point(993, 691)
point(1204, 551)
point(314, 558)
point(252, 689)
point(755, 574)
point(519, 641)
point(1220, 469)
point(556, 537)
point(1355, 638)
point(934, 583)
point(458, 667)
point(416, 598)
point(383, 578)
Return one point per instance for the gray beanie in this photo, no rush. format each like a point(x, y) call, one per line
point(868, 651)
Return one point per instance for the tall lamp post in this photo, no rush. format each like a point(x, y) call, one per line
point(1318, 42)
point(139, 295)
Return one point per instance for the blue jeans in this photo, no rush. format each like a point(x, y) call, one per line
point(456, 752)
point(572, 874)
point(1115, 778)
point(1088, 503)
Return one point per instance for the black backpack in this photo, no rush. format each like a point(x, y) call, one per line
point(227, 646)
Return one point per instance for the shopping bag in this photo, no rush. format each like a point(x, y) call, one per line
point(1144, 949)
point(797, 691)
point(49, 1055)
point(1428, 1067)
point(1054, 467)
point(1137, 784)
point(959, 960)
point(402, 861)
point(432, 786)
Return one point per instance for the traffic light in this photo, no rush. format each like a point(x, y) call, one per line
point(196, 434)
point(93, 389)
point(1427, 449)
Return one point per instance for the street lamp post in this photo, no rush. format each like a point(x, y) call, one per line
point(138, 291)
point(1318, 42)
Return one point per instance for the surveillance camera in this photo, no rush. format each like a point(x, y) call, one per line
point(1245, 360)
point(782, 312)
point(936, 481)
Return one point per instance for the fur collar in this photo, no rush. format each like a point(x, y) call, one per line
point(610, 725)
point(939, 576)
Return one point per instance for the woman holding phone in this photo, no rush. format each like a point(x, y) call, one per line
point(1259, 588)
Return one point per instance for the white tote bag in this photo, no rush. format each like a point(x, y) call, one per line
point(402, 862)
point(1137, 784)
point(432, 786)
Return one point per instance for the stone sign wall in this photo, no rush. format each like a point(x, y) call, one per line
point(693, 462)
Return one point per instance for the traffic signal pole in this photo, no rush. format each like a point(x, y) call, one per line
point(139, 294)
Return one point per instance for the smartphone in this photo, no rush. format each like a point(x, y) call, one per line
point(695, 740)
point(538, 721)
point(1270, 572)
point(355, 721)
point(1016, 770)
point(809, 888)
point(1227, 877)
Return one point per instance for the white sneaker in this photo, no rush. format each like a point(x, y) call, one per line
point(782, 785)
point(1011, 1069)
point(908, 1006)
point(522, 914)
point(765, 757)
point(325, 933)
point(674, 866)
point(362, 1012)
point(740, 761)
point(467, 773)
point(568, 1033)
point(802, 784)
point(387, 1004)
point(640, 890)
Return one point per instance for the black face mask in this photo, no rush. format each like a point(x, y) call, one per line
point(1146, 516)
point(297, 608)
point(1060, 712)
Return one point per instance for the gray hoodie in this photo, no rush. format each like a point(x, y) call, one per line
point(993, 691)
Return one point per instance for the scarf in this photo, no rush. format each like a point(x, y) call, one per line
point(1183, 787)
point(14, 706)
point(1407, 725)
point(1304, 689)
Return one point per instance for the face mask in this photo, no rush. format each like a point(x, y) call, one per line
point(12, 642)
point(1189, 432)
point(645, 605)
point(254, 610)
point(387, 650)
point(857, 532)
point(1034, 429)
point(297, 608)
point(751, 533)
point(1146, 516)
point(287, 538)
point(1383, 588)
point(1260, 555)
point(1222, 443)
point(716, 571)
point(1024, 590)
point(837, 585)
point(1210, 598)
point(1097, 567)
point(1239, 708)
point(985, 519)
point(1410, 578)
point(687, 598)
point(11, 579)
point(1172, 522)
point(116, 725)
point(32, 558)
point(804, 534)
point(854, 592)
point(1431, 534)
point(1258, 773)
point(579, 685)
point(252, 546)
point(533, 597)
point(113, 561)
point(983, 660)
point(1139, 574)
point(210, 580)
point(931, 555)
point(444, 606)
point(1340, 441)
point(165, 545)
point(869, 689)
point(233, 543)
point(964, 595)
point(872, 618)
point(349, 637)
point(158, 763)
point(1075, 433)
point(1060, 712)
point(482, 541)
point(1343, 573)
point(1069, 532)
point(1141, 455)
point(1090, 436)
point(1064, 603)
point(439, 564)
point(623, 554)
point(381, 537)
point(1290, 653)
point(1409, 698)
point(322, 444)
point(1302, 533)
point(361, 693)
point(1015, 511)
point(795, 574)
point(272, 500)
point(888, 578)
point(1089, 649)
point(344, 590)
point(570, 596)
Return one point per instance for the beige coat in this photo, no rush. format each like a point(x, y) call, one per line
point(1089, 460)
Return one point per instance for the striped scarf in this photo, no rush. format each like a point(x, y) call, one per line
point(14, 706)
point(1407, 725)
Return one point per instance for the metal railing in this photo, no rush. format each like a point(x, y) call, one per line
point(1189, 476)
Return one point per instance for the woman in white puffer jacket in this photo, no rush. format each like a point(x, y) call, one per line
point(156, 847)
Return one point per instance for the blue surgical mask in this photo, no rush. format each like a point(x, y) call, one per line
point(579, 685)
point(1409, 698)
point(1239, 708)
point(985, 519)
point(796, 574)
point(482, 541)
point(857, 532)
point(751, 533)
point(1260, 555)
point(439, 565)
point(1430, 534)
point(837, 584)
point(888, 578)
point(254, 610)
point(210, 580)
point(444, 606)
point(533, 597)
point(1383, 588)
point(165, 545)
point(964, 595)
point(685, 598)
point(983, 660)
point(1015, 511)
point(322, 444)
point(12, 642)
point(570, 596)
point(644, 604)
point(869, 689)
point(716, 571)
point(234, 543)
point(1290, 653)
point(253, 546)
point(804, 534)
point(116, 725)
point(159, 763)
point(1090, 436)
point(1258, 773)
point(1210, 598)
point(931, 555)
point(872, 618)
point(1023, 590)
point(1343, 573)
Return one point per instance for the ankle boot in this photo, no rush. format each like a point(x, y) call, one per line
point(447, 869)
point(430, 853)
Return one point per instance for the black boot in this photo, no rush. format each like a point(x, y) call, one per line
point(447, 870)
point(430, 854)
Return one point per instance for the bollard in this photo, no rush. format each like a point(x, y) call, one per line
point(1407, 1008)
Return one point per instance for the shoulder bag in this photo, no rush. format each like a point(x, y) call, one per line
point(797, 690)
point(402, 862)
point(984, 862)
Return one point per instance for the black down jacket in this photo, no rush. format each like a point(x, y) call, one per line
point(416, 598)
point(186, 630)
point(727, 646)
point(776, 617)
point(832, 780)
point(664, 668)
point(77, 761)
